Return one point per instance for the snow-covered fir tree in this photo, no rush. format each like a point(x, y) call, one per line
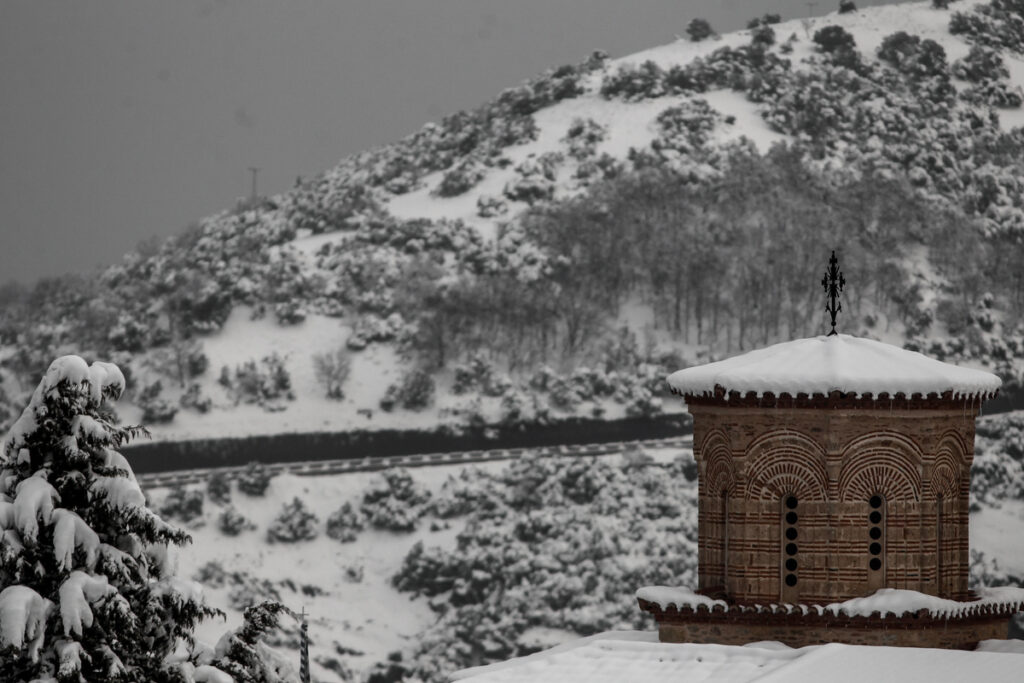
point(87, 591)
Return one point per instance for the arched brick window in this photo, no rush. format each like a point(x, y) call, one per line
point(725, 536)
point(790, 527)
point(876, 541)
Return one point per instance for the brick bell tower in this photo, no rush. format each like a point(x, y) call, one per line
point(829, 468)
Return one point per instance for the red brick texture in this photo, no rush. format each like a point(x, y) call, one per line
point(833, 457)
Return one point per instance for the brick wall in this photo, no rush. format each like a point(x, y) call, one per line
point(833, 459)
point(948, 635)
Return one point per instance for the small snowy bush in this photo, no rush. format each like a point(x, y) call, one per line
point(232, 522)
point(244, 655)
point(155, 409)
point(847, 6)
point(833, 38)
point(415, 392)
point(193, 398)
point(699, 29)
point(183, 504)
point(344, 524)
point(254, 479)
point(489, 207)
point(394, 501)
point(218, 488)
point(332, 369)
point(294, 523)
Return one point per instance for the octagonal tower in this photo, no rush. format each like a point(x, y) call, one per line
point(831, 467)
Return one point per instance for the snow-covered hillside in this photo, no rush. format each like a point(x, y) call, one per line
point(587, 548)
point(562, 248)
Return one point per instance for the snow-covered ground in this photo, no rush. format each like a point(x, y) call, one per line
point(630, 656)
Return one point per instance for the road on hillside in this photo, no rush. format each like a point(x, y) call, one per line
point(314, 468)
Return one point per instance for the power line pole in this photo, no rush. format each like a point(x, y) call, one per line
point(811, 6)
point(255, 171)
point(304, 648)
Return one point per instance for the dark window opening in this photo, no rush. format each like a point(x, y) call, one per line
point(791, 565)
point(791, 534)
point(791, 518)
point(875, 564)
point(791, 580)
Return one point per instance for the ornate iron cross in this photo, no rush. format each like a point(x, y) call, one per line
point(833, 283)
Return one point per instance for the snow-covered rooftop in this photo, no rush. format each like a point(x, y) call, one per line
point(844, 363)
point(638, 657)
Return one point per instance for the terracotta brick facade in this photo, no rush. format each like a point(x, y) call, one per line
point(837, 459)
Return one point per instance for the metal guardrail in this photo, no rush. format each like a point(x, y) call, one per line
point(315, 468)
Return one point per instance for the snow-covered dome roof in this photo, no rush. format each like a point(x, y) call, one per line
point(820, 365)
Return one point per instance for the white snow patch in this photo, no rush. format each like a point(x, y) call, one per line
point(679, 597)
point(23, 614)
point(819, 365)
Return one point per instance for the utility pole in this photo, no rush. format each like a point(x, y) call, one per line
point(255, 171)
point(304, 648)
point(811, 6)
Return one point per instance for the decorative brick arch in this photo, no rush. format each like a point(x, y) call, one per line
point(784, 462)
point(719, 469)
point(947, 469)
point(885, 463)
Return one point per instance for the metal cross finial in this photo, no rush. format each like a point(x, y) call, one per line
point(833, 283)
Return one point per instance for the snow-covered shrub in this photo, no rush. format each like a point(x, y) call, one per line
point(469, 492)
point(265, 383)
point(686, 127)
point(996, 23)
point(763, 35)
point(294, 523)
point(66, 584)
point(699, 29)
point(193, 398)
point(244, 655)
point(183, 504)
point(218, 488)
point(155, 409)
point(583, 137)
point(231, 522)
point(765, 20)
point(478, 374)
point(461, 178)
point(847, 6)
point(834, 38)
point(332, 369)
point(633, 83)
point(489, 207)
point(394, 501)
point(980, 65)
point(941, 4)
point(345, 523)
point(536, 180)
point(994, 94)
point(414, 392)
point(254, 479)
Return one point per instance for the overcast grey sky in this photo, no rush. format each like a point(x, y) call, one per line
point(121, 120)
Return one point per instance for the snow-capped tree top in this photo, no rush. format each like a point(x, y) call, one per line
point(820, 365)
point(98, 381)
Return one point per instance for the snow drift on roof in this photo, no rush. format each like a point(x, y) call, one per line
point(820, 365)
point(615, 658)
